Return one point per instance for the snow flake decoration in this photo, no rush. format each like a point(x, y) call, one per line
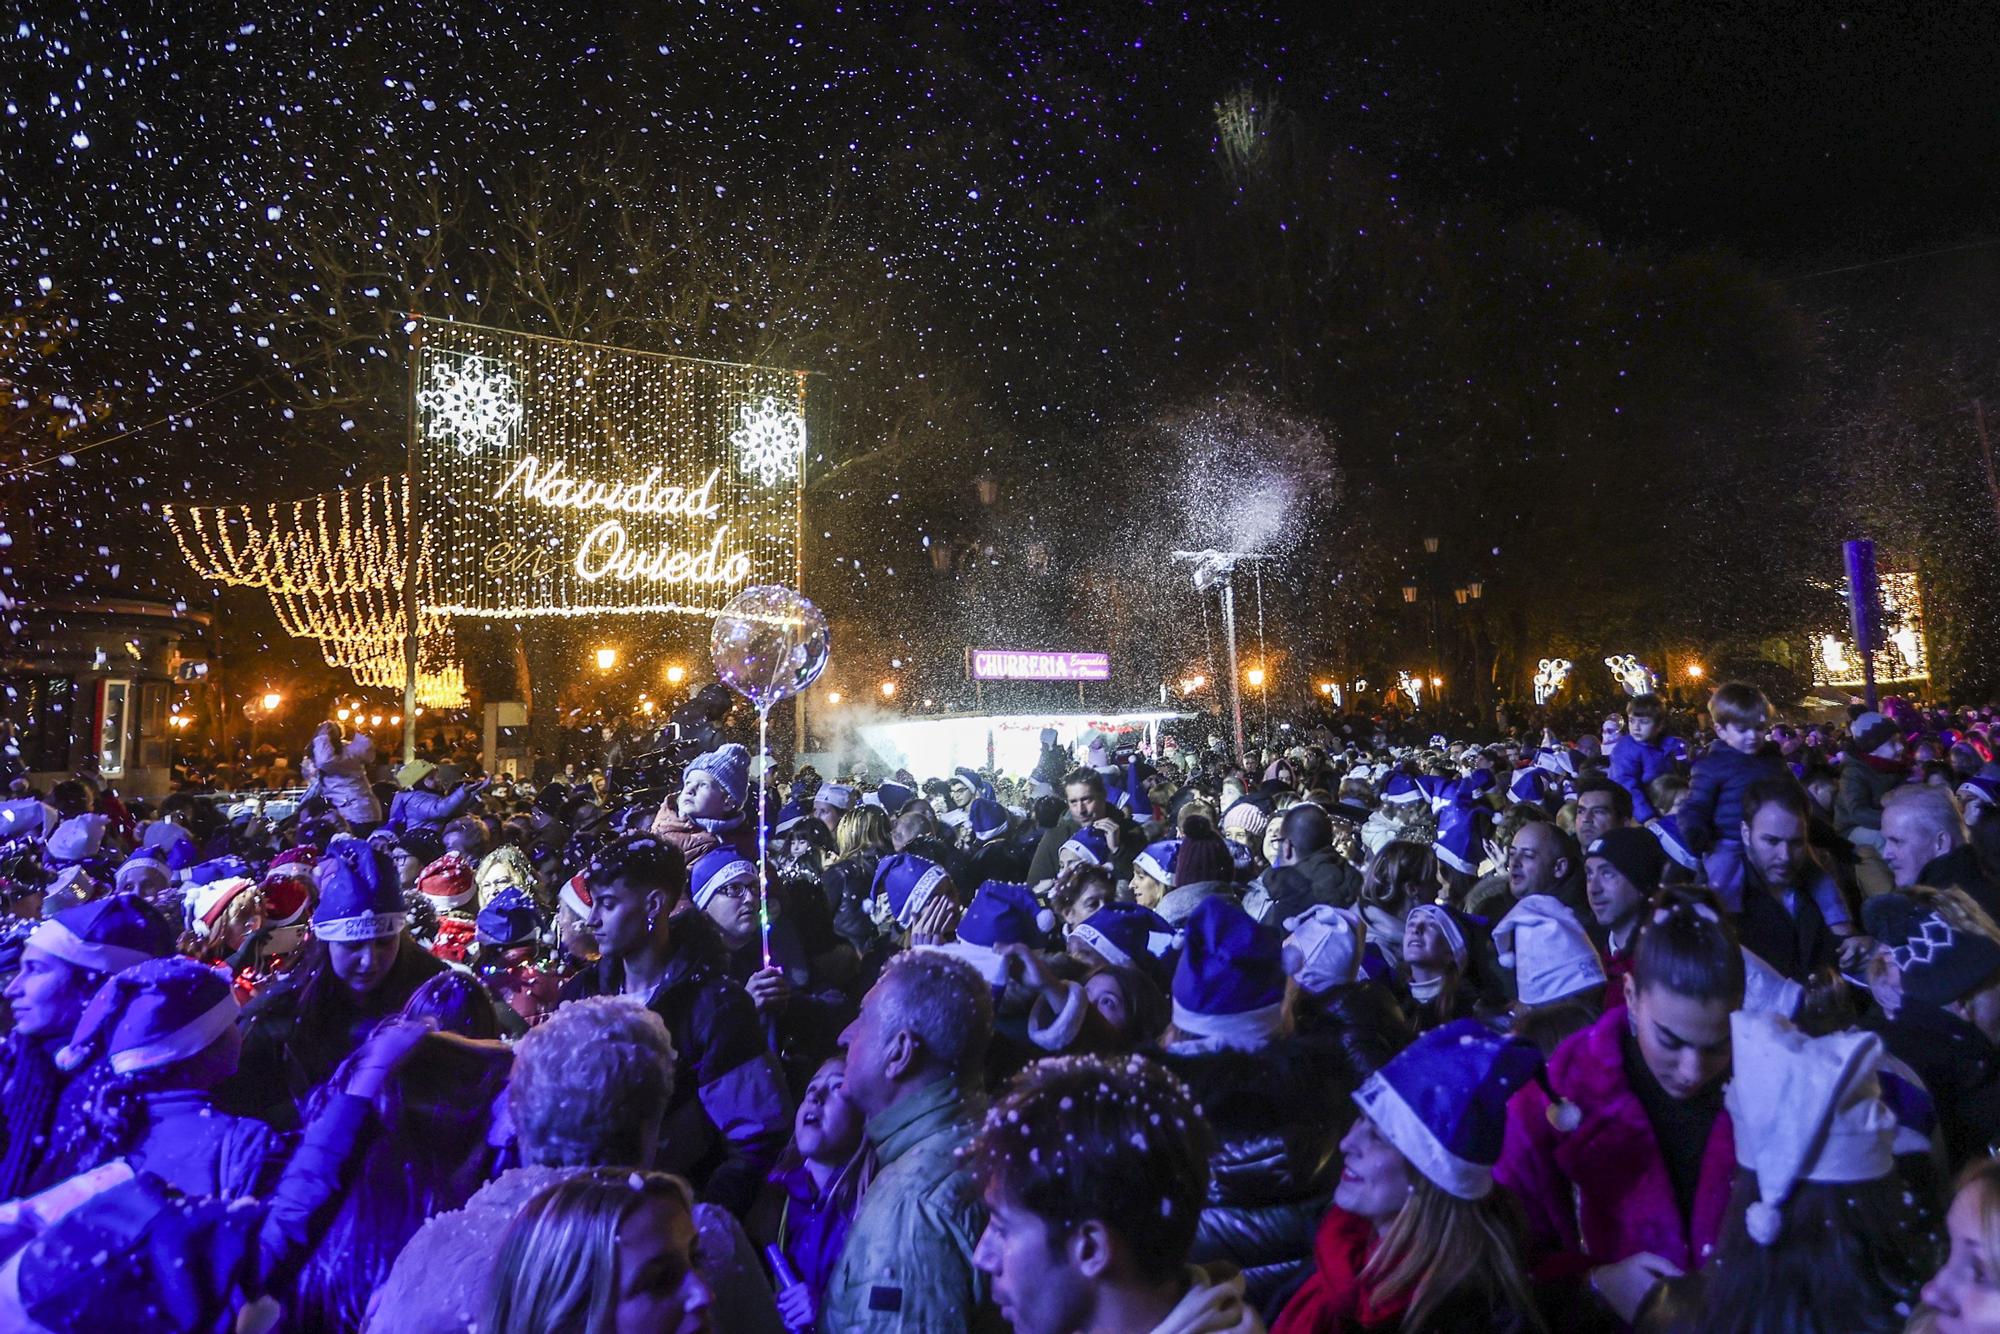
point(771, 442)
point(471, 401)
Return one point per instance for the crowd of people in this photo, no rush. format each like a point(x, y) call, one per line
point(1691, 1023)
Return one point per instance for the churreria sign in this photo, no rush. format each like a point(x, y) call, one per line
point(559, 478)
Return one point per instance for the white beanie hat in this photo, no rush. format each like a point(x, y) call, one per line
point(1545, 944)
point(1804, 1109)
point(1323, 947)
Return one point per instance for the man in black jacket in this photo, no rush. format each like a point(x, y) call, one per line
point(1781, 922)
point(1307, 870)
point(1925, 842)
point(730, 1113)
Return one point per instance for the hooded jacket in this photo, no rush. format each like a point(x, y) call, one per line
point(1278, 1114)
point(1600, 1192)
point(1634, 764)
point(1857, 803)
point(907, 1264)
point(418, 806)
point(1713, 811)
point(1321, 877)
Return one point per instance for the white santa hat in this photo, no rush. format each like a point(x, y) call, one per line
point(1545, 944)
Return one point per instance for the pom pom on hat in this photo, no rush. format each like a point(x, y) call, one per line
point(1323, 947)
point(1230, 986)
point(715, 870)
point(152, 1014)
point(905, 882)
point(360, 896)
point(1804, 1109)
point(1442, 1101)
point(729, 766)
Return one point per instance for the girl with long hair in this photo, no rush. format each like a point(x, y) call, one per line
point(1399, 877)
point(605, 1250)
point(1418, 1239)
point(814, 1191)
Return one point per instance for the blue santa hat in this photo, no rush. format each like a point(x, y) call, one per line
point(1089, 845)
point(891, 797)
point(715, 870)
point(1229, 990)
point(509, 918)
point(787, 817)
point(152, 1014)
point(1130, 936)
point(1555, 760)
point(970, 777)
point(1158, 860)
point(145, 870)
point(1985, 791)
point(905, 883)
point(1402, 790)
point(1477, 783)
point(988, 819)
point(360, 896)
point(1529, 785)
point(1439, 791)
point(729, 766)
point(1442, 1101)
point(219, 868)
point(1000, 914)
point(1137, 801)
point(1667, 829)
point(106, 935)
point(1457, 844)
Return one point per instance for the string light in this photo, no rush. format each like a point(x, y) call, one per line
point(630, 482)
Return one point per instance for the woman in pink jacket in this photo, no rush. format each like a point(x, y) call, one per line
point(1625, 1171)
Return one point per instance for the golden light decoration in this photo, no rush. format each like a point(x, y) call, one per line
point(627, 482)
point(1904, 651)
point(676, 674)
point(333, 566)
point(1255, 677)
point(607, 658)
point(1549, 678)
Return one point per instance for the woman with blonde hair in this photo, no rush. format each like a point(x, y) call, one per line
point(608, 1250)
point(858, 847)
point(1963, 1297)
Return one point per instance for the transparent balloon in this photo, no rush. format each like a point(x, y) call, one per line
point(768, 644)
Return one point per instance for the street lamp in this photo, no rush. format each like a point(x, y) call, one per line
point(676, 674)
point(1694, 671)
point(607, 658)
point(1254, 677)
point(833, 697)
point(1409, 592)
point(888, 690)
point(1430, 546)
point(271, 701)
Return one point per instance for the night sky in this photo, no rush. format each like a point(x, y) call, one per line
point(1548, 278)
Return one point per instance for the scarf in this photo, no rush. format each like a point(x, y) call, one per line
point(28, 1095)
point(1333, 1300)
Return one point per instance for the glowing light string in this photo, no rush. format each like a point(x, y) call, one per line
point(1549, 678)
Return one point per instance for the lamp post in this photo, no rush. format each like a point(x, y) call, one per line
point(1213, 570)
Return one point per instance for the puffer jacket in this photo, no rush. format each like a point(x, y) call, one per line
point(1278, 1115)
point(849, 884)
point(1364, 1020)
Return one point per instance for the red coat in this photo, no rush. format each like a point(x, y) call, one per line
point(1332, 1300)
point(1600, 1192)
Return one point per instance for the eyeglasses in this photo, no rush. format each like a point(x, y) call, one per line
point(738, 889)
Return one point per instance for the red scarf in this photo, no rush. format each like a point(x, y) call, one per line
point(1333, 1300)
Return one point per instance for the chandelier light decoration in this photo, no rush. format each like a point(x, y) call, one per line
point(1633, 677)
point(558, 478)
point(1549, 678)
point(333, 566)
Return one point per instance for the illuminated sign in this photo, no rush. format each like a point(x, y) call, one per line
point(1904, 654)
point(1008, 664)
point(565, 479)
